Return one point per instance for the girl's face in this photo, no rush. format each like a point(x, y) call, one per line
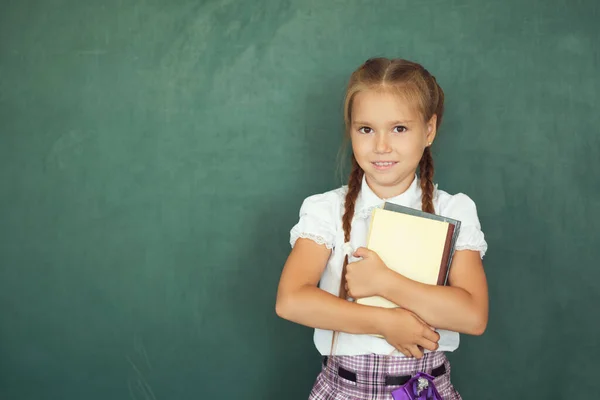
point(388, 138)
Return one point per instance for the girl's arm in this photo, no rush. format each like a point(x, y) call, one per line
point(461, 307)
point(301, 301)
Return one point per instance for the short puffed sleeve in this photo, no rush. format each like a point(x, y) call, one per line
point(470, 237)
point(316, 220)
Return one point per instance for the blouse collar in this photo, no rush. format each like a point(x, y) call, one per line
point(367, 199)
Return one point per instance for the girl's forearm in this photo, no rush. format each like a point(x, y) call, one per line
point(443, 307)
point(316, 308)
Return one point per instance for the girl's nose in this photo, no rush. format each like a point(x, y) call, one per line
point(382, 143)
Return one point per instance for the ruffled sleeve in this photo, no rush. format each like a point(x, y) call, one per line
point(316, 221)
point(471, 237)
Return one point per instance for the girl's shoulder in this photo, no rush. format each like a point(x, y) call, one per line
point(460, 206)
point(325, 203)
point(319, 218)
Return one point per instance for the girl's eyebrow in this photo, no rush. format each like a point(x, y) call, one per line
point(389, 123)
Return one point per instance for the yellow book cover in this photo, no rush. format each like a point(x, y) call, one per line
point(415, 244)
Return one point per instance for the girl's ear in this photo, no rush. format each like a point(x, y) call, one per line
point(431, 129)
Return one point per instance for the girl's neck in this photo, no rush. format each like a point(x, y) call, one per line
point(389, 191)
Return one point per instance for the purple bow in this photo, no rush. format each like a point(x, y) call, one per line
point(419, 387)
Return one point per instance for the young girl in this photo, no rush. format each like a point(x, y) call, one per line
point(393, 110)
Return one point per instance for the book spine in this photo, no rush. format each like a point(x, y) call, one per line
point(446, 257)
point(453, 247)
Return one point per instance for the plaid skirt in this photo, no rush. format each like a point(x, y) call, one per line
point(363, 377)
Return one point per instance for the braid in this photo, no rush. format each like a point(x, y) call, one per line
point(436, 106)
point(354, 185)
point(426, 175)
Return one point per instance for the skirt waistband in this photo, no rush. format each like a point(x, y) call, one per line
point(375, 369)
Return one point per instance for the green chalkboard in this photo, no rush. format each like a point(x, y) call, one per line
point(154, 156)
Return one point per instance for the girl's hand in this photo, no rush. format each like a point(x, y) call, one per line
point(407, 332)
point(366, 277)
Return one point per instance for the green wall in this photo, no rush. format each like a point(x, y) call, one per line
point(154, 155)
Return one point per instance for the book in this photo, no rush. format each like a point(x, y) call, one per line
point(414, 243)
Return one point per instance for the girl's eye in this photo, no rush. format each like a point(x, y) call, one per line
point(401, 129)
point(365, 129)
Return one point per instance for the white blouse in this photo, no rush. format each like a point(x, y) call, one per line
point(321, 221)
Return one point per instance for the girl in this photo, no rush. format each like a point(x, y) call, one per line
point(393, 110)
